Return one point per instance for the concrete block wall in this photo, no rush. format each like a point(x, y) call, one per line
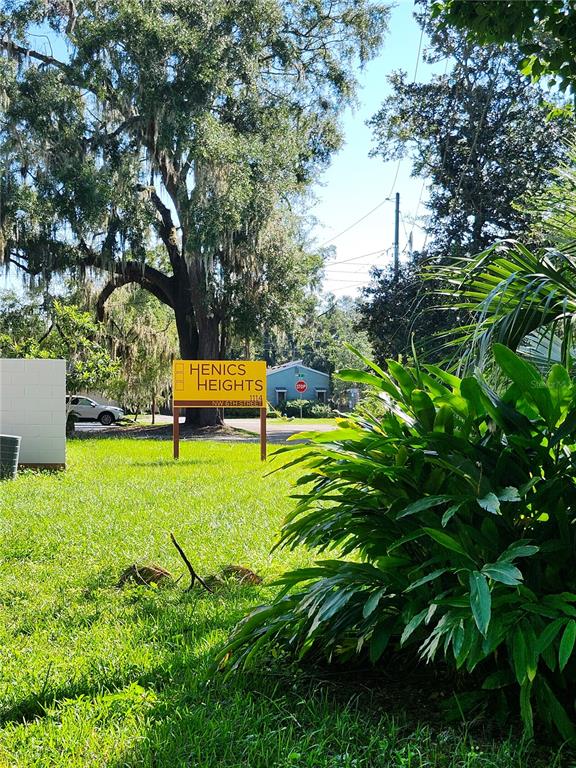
point(33, 405)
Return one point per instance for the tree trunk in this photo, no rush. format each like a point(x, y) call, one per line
point(208, 349)
point(197, 342)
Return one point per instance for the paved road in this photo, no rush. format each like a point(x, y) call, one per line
point(276, 431)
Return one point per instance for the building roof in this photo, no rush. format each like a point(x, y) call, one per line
point(293, 364)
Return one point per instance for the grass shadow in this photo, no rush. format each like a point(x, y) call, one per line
point(174, 626)
point(301, 717)
point(282, 716)
point(190, 714)
point(35, 706)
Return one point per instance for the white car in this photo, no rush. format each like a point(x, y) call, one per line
point(86, 409)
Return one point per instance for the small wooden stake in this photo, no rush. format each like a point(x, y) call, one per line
point(263, 434)
point(176, 431)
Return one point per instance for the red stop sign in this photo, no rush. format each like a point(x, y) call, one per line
point(301, 386)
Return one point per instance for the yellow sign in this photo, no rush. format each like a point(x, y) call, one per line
point(219, 383)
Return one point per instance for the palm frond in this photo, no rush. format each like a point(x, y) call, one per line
point(506, 293)
point(545, 347)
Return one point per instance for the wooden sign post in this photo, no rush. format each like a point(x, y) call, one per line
point(218, 384)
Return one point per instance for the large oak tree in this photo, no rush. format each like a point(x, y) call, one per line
point(188, 123)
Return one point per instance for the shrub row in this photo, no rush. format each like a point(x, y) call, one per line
point(310, 409)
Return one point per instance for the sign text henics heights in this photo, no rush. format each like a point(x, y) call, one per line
point(219, 384)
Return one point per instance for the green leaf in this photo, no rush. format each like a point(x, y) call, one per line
point(406, 539)
point(505, 573)
point(328, 608)
point(413, 625)
point(402, 376)
point(372, 603)
point(379, 642)
point(444, 421)
point(509, 494)
point(526, 708)
point(517, 369)
point(446, 540)
point(331, 436)
point(556, 711)
point(559, 384)
point(528, 378)
point(519, 656)
point(567, 429)
point(425, 503)
point(548, 634)
point(366, 360)
point(423, 409)
point(448, 378)
point(449, 514)
point(472, 393)
point(480, 600)
point(361, 377)
point(567, 644)
point(425, 579)
point(519, 549)
point(490, 503)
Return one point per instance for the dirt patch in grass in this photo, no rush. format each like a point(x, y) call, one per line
point(159, 432)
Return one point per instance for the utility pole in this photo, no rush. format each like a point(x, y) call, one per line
point(397, 238)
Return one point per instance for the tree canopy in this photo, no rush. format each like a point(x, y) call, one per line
point(544, 30)
point(479, 135)
point(54, 328)
point(523, 297)
point(189, 125)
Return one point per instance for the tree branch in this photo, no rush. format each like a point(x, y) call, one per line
point(167, 229)
point(13, 48)
point(155, 282)
point(45, 335)
point(193, 575)
point(21, 266)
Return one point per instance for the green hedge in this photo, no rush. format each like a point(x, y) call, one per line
point(310, 409)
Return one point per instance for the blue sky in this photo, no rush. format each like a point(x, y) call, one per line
point(355, 183)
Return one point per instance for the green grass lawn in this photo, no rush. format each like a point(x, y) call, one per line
point(92, 675)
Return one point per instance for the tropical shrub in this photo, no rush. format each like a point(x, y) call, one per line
point(309, 409)
point(320, 411)
point(453, 522)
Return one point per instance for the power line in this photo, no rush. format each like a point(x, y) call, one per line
point(418, 53)
point(404, 225)
point(346, 287)
point(380, 204)
point(393, 187)
point(355, 258)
